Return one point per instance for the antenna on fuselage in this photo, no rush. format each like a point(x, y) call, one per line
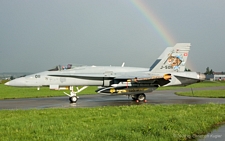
point(123, 64)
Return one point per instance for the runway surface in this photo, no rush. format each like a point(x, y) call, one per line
point(156, 97)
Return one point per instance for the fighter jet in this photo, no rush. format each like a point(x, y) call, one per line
point(167, 70)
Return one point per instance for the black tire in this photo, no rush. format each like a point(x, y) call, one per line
point(141, 97)
point(73, 99)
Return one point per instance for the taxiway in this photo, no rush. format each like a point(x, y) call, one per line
point(156, 97)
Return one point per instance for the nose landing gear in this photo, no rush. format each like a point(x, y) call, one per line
point(73, 95)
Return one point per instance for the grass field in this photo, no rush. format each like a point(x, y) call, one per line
point(140, 122)
point(204, 93)
point(207, 84)
point(143, 122)
point(196, 85)
point(22, 92)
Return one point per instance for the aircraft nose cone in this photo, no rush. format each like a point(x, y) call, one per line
point(16, 82)
point(7, 83)
point(202, 76)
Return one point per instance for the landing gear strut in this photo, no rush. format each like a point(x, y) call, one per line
point(139, 97)
point(73, 95)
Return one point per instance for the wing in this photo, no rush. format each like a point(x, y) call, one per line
point(133, 78)
point(81, 75)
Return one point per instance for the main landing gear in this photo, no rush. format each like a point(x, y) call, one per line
point(73, 95)
point(139, 97)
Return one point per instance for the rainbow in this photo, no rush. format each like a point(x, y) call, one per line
point(154, 21)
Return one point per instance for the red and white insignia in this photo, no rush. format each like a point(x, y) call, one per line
point(185, 54)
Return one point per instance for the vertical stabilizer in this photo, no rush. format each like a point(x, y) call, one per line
point(172, 59)
point(165, 52)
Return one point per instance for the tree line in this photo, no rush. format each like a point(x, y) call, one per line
point(210, 71)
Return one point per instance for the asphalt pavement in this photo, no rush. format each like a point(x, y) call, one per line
point(156, 97)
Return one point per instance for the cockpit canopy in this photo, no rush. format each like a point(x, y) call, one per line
point(64, 67)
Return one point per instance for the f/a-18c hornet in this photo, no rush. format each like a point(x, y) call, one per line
point(167, 70)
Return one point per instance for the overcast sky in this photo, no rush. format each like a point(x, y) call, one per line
point(36, 35)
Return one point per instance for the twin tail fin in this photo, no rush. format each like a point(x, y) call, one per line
point(172, 59)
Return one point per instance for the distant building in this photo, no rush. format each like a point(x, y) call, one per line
point(216, 76)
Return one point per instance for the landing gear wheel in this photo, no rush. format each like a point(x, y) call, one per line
point(73, 99)
point(141, 97)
